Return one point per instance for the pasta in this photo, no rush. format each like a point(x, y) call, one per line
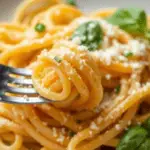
point(95, 73)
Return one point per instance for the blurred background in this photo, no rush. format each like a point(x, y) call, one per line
point(7, 7)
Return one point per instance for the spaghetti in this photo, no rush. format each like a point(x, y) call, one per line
point(96, 91)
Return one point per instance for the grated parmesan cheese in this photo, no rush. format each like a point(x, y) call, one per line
point(138, 85)
point(133, 92)
point(122, 58)
point(93, 126)
point(61, 139)
point(134, 76)
point(63, 130)
point(139, 49)
point(54, 132)
point(82, 48)
point(135, 65)
point(108, 76)
point(126, 64)
point(76, 40)
point(117, 126)
point(99, 119)
point(129, 122)
point(109, 29)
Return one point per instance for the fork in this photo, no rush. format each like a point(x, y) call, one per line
point(23, 87)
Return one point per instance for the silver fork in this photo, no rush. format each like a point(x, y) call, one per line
point(23, 87)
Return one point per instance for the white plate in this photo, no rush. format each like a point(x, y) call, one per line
point(7, 7)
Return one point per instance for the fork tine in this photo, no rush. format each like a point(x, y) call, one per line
point(18, 71)
point(28, 94)
point(23, 100)
point(22, 91)
point(19, 81)
point(23, 72)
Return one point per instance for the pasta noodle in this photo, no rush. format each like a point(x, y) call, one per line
point(95, 94)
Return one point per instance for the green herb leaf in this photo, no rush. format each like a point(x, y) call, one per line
point(72, 2)
point(90, 35)
point(145, 145)
point(146, 125)
point(128, 54)
point(132, 20)
point(40, 27)
point(133, 139)
point(117, 89)
point(147, 34)
point(71, 133)
point(58, 59)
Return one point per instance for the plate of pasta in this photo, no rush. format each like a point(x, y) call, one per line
point(94, 68)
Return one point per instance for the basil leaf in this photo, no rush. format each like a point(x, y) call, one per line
point(90, 35)
point(145, 145)
point(146, 125)
point(71, 2)
point(132, 20)
point(133, 139)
